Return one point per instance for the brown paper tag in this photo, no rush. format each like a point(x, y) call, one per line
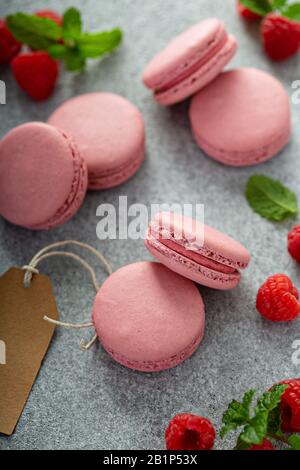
point(24, 340)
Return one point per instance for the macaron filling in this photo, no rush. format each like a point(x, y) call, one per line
point(202, 256)
point(217, 45)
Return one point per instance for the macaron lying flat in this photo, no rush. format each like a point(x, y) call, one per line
point(148, 318)
point(196, 251)
point(242, 118)
point(43, 178)
point(189, 62)
point(110, 133)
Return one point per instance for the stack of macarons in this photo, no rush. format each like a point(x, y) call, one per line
point(150, 316)
point(239, 117)
point(93, 141)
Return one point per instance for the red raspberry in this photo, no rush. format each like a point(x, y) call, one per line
point(189, 432)
point(9, 47)
point(280, 36)
point(247, 14)
point(265, 445)
point(277, 299)
point(290, 406)
point(294, 243)
point(51, 15)
point(36, 73)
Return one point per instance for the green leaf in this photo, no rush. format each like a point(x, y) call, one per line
point(256, 430)
point(237, 413)
point(38, 33)
point(270, 399)
point(270, 198)
point(97, 44)
point(294, 441)
point(274, 422)
point(241, 445)
point(72, 25)
point(73, 61)
point(58, 51)
point(278, 4)
point(292, 11)
point(261, 7)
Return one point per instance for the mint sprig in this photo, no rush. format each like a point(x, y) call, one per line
point(292, 12)
point(261, 7)
point(282, 7)
point(262, 423)
point(68, 43)
point(38, 33)
point(270, 198)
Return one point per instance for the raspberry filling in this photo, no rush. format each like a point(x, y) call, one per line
point(191, 70)
point(194, 256)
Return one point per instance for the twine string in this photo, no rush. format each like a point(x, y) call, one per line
point(47, 252)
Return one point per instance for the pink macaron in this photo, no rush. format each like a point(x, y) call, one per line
point(110, 133)
point(242, 118)
point(196, 251)
point(43, 177)
point(149, 318)
point(189, 62)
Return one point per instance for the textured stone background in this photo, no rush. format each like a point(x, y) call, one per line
point(85, 400)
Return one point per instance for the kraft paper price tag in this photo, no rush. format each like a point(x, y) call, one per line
point(24, 340)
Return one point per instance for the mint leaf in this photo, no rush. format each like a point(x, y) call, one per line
point(97, 44)
point(270, 199)
point(58, 51)
point(270, 399)
point(256, 430)
point(258, 426)
point(292, 12)
point(38, 33)
point(72, 25)
point(241, 445)
point(274, 422)
point(73, 61)
point(278, 4)
point(237, 413)
point(261, 7)
point(294, 441)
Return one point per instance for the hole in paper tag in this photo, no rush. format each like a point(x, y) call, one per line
point(24, 340)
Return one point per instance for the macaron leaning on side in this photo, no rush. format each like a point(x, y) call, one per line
point(242, 118)
point(196, 251)
point(110, 133)
point(43, 177)
point(149, 318)
point(189, 62)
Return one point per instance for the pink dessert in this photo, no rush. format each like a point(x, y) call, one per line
point(149, 318)
point(109, 131)
point(196, 251)
point(242, 118)
point(43, 177)
point(189, 62)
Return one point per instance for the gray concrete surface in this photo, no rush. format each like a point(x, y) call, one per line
point(85, 400)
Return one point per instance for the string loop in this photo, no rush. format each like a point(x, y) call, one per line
point(31, 269)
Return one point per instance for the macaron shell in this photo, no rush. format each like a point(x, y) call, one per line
point(190, 269)
point(242, 118)
point(205, 74)
point(148, 317)
point(110, 133)
point(182, 52)
point(42, 176)
point(200, 238)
